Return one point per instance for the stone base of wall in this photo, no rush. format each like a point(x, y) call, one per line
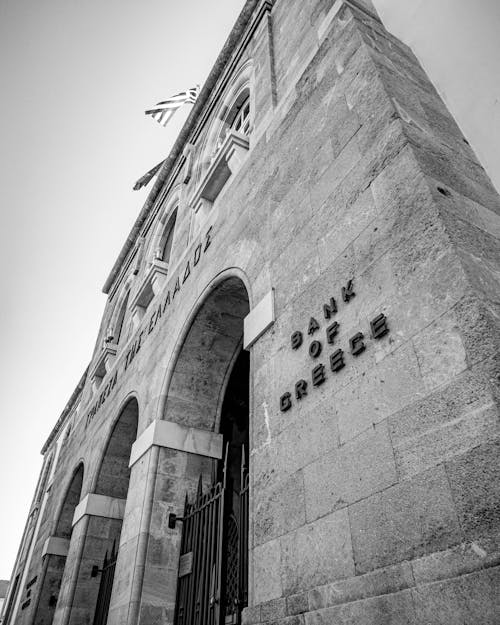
point(458, 586)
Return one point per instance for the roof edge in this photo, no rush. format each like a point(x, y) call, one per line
point(65, 412)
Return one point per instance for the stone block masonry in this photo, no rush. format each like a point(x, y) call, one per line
point(341, 290)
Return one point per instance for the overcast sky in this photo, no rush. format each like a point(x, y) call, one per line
point(76, 78)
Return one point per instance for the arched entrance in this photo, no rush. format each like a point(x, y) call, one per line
point(102, 524)
point(112, 481)
point(54, 563)
point(209, 390)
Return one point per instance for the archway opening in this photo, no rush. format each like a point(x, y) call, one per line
point(232, 471)
point(114, 472)
point(102, 537)
point(54, 565)
point(209, 390)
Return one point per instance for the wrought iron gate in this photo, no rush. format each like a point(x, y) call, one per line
point(105, 587)
point(213, 576)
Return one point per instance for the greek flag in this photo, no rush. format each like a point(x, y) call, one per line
point(163, 111)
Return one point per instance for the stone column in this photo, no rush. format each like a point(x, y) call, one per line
point(96, 526)
point(166, 461)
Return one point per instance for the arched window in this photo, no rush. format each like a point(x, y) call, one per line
point(240, 114)
point(118, 325)
point(225, 147)
point(237, 119)
point(164, 248)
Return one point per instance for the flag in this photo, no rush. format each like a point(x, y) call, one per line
point(163, 111)
point(145, 180)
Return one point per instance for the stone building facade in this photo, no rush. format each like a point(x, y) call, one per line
point(302, 335)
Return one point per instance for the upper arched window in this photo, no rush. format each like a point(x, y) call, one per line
point(119, 320)
point(237, 119)
point(241, 115)
point(225, 145)
point(164, 247)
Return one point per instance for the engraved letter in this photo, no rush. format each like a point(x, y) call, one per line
point(357, 344)
point(330, 309)
point(296, 340)
point(379, 326)
point(348, 292)
point(318, 375)
point(285, 402)
point(300, 389)
point(337, 360)
point(331, 332)
point(315, 349)
point(313, 326)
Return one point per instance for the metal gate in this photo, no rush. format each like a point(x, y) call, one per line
point(105, 587)
point(213, 576)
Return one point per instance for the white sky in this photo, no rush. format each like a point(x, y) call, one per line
point(76, 78)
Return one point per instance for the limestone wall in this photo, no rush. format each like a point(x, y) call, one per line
point(373, 492)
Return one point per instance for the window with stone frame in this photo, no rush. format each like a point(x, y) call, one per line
point(237, 119)
point(157, 268)
point(226, 147)
point(119, 320)
point(164, 248)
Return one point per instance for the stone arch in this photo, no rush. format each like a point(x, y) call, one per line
point(54, 561)
point(206, 354)
point(208, 389)
point(63, 527)
point(102, 523)
point(113, 475)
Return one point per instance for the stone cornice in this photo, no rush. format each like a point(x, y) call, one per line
point(67, 409)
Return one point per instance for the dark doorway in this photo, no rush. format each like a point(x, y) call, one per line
point(234, 428)
point(209, 390)
point(213, 570)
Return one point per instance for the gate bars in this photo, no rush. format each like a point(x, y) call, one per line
point(203, 565)
point(105, 587)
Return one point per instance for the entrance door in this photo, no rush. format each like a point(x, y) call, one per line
point(213, 568)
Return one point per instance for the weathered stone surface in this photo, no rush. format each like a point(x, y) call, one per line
point(279, 508)
point(289, 620)
point(349, 473)
point(475, 486)
point(273, 610)
point(317, 553)
point(266, 571)
point(446, 423)
point(441, 163)
point(351, 218)
point(462, 559)
point(309, 434)
point(382, 582)
point(468, 599)
point(251, 615)
point(440, 351)
point(396, 609)
point(455, 206)
point(479, 324)
point(392, 384)
point(409, 519)
point(297, 604)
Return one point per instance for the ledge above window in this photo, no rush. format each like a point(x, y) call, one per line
point(103, 365)
point(226, 163)
point(149, 288)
